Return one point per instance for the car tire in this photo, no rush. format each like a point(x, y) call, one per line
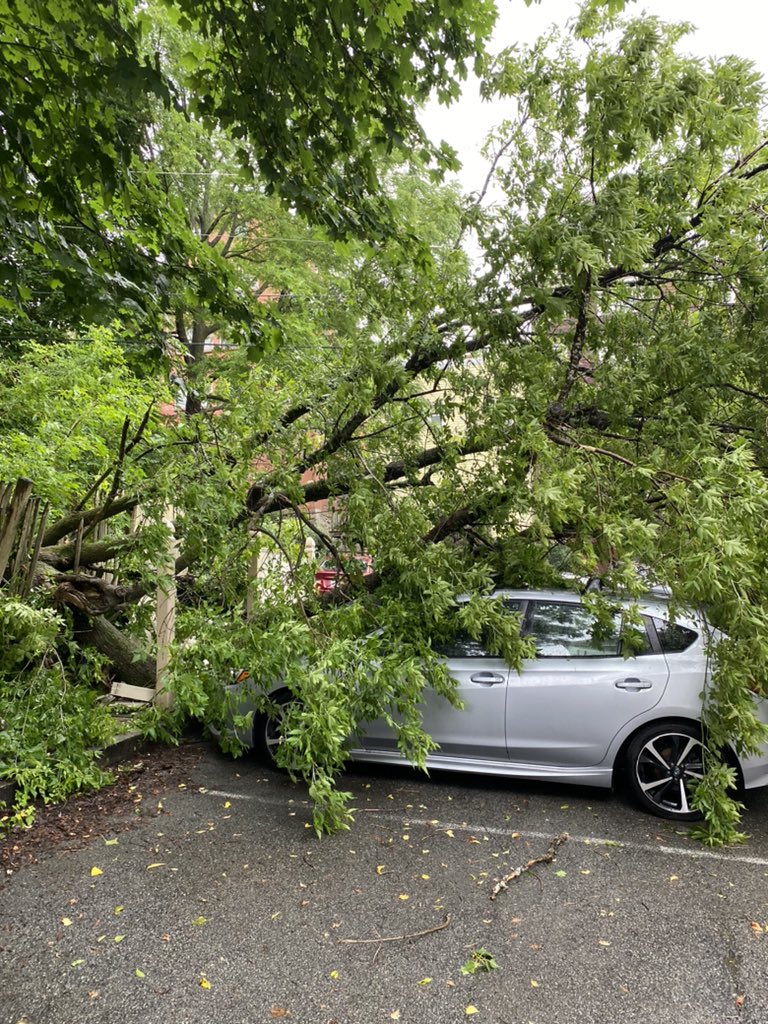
point(267, 729)
point(662, 761)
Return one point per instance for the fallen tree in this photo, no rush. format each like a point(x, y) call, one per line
point(593, 402)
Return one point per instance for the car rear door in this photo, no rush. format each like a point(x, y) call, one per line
point(566, 705)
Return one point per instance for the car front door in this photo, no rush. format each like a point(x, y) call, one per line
point(477, 731)
point(566, 705)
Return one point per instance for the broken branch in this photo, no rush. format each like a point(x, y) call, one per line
point(545, 858)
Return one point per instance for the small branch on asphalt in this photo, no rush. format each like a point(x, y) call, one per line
point(545, 858)
point(400, 938)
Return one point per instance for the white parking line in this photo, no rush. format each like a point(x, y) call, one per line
point(476, 829)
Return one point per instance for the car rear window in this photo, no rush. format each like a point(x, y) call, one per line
point(673, 637)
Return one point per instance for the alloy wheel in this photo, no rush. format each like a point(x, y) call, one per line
point(666, 767)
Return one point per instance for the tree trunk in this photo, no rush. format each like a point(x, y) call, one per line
point(122, 652)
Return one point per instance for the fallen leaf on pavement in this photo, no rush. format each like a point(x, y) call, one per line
point(95, 872)
point(139, 973)
point(204, 983)
point(470, 1010)
point(66, 921)
point(160, 864)
point(279, 1011)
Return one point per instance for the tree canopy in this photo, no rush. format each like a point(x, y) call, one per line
point(311, 100)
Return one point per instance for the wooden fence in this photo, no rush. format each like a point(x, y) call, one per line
point(22, 526)
point(23, 519)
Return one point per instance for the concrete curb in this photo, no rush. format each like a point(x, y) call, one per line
point(124, 747)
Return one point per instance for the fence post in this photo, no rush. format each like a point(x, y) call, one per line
point(165, 614)
point(11, 518)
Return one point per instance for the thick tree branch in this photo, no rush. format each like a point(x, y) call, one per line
point(266, 502)
point(62, 557)
point(70, 522)
point(579, 337)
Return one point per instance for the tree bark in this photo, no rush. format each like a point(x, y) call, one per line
point(62, 556)
point(93, 595)
point(122, 652)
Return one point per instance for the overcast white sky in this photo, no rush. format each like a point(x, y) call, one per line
point(723, 27)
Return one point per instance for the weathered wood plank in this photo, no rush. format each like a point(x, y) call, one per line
point(27, 584)
point(129, 692)
point(18, 504)
point(18, 572)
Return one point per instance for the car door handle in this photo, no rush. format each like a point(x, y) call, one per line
point(633, 683)
point(487, 678)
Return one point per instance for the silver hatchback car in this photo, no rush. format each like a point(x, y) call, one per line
point(579, 712)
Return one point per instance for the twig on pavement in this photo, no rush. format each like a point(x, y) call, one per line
point(410, 935)
point(545, 858)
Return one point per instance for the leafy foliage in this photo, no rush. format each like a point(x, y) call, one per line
point(88, 225)
point(51, 727)
point(479, 960)
point(591, 403)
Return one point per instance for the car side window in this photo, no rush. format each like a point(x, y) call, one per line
point(673, 637)
point(570, 631)
point(462, 645)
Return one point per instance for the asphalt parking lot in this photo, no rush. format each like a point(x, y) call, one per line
point(222, 905)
